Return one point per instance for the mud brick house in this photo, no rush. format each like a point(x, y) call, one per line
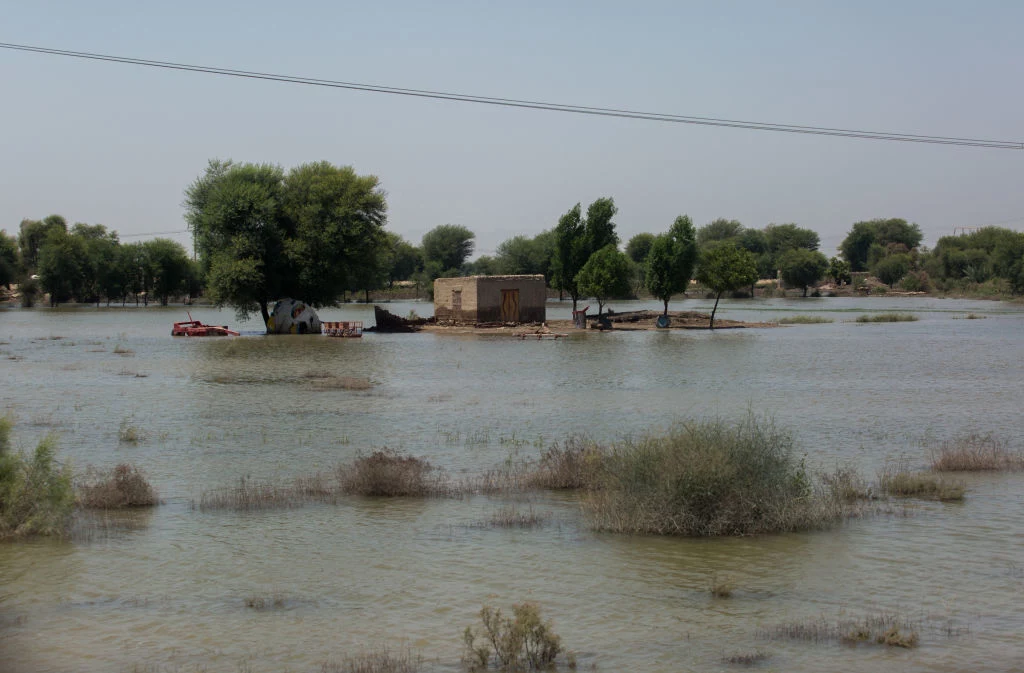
point(477, 299)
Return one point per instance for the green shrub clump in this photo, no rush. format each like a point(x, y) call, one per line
point(522, 641)
point(36, 496)
point(708, 478)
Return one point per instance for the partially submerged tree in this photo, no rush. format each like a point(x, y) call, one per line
point(726, 268)
point(263, 235)
point(890, 270)
point(570, 252)
point(605, 275)
point(802, 268)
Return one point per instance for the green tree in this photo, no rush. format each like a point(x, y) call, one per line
point(839, 271)
point(447, 247)
point(726, 268)
point(9, 263)
point(263, 235)
point(63, 267)
point(31, 236)
point(605, 275)
point(718, 230)
point(599, 229)
point(406, 259)
point(639, 246)
point(890, 270)
point(801, 267)
point(522, 255)
point(101, 249)
point(169, 268)
point(856, 247)
point(781, 238)
point(570, 252)
point(671, 260)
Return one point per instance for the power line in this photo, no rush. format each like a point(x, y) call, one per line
point(531, 104)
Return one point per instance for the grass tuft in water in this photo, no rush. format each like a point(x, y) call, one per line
point(746, 659)
point(721, 587)
point(976, 452)
point(804, 320)
point(514, 517)
point(897, 480)
point(887, 317)
point(884, 628)
point(381, 660)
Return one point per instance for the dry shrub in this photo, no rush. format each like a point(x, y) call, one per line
point(976, 452)
point(887, 317)
point(124, 486)
point(515, 643)
point(572, 465)
point(381, 660)
point(897, 480)
point(275, 600)
point(846, 484)
point(386, 472)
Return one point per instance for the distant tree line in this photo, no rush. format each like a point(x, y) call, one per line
point(87, 263)
point(317, 232)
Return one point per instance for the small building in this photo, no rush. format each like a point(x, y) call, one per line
point(474, 299)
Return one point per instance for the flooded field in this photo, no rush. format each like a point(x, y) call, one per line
point(176, 589)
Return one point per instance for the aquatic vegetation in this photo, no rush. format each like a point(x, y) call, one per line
point(746, 659)
point(721, 587)
point(36, 496)
point(897, 480)
point(250, 496)
point(892, 630)
point(129, 433)
point(258, 602)
point(386, 472)
point(887, 317)
point(123, 486)
point(975, 452)
point(522, 641)
point(707, 478)
point(804, 320)
point(570, 465)
point(514, 517)
point(380, 660)
point(339, 383)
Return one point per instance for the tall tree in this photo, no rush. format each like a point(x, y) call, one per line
point(856, 247)
point(447, 247)
point(599, 229)
point(31, 236)
point(63, 266)
point(671, 260)
point(169, 268)
point(263, 235)
point(726, 268)
point(570, 252)
point(605, 275)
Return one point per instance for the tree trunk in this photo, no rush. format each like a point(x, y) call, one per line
point(666, 308)
point(711, 325)
point(265, 313)
point(367, 295)
point(600, 309)
point(574, 303)
point(805, 290)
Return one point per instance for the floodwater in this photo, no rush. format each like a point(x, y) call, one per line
point(169, 592)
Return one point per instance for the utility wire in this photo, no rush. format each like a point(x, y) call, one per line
point(531, 104)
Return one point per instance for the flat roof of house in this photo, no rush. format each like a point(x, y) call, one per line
point(536, 276)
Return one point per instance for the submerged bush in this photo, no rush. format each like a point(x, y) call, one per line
point(386, 472)
point(36, 497)
point(571, 465)
point(515, 643)
point(709, 478)
point(123, 486)
point(887, 317)
point(804, 320)
point(897, 480)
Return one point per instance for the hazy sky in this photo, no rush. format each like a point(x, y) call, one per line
point(117, 144)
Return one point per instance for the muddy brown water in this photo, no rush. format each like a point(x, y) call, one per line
point(169, 592)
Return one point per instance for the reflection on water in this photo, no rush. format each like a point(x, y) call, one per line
point(170, 590)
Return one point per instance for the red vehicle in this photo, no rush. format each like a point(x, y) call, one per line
point(196, 328)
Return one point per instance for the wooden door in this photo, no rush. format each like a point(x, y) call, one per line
point(510, 305)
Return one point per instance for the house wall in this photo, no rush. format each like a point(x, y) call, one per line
point(481, 298)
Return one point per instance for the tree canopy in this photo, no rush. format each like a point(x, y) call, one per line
point(802, 268)
point(577, 238)
point(863, 236)
point(606, 274)
point(671, 260)
point(726, 268)
point(263, 235)
point(447, 247)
